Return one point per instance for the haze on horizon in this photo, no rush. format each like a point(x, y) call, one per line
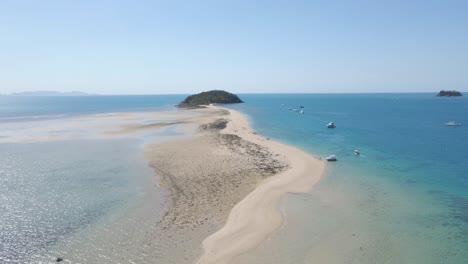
point(152, 47)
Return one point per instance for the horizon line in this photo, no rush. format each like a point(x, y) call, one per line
point(65, 94)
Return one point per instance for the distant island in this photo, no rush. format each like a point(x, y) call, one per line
point(449, 93)
point(49, 93)
point(210, 97)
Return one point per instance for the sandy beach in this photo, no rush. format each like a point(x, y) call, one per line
point(224, 185)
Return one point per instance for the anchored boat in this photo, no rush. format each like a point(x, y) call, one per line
point(453, 123)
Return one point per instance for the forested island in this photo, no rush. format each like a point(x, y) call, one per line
point(444, 93)
point(210, 97)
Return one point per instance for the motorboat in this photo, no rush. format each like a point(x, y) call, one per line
point(356, 152)
point(453, 123)
point(302, 111)
point(331, 158)
point(331, 125)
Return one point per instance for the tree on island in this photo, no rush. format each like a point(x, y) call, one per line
point(210, 97)
point(449, 93)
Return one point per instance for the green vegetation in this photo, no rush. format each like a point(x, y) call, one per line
point(449, 93)
point(210, 97)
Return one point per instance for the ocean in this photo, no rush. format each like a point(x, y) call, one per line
point(403, 200)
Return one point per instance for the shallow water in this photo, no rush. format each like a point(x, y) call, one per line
point(49, 191)
point(71, 189)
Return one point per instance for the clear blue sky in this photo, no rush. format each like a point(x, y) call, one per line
point(146, 47)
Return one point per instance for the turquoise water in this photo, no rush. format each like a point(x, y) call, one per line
point(399, 133)
point(403, 200)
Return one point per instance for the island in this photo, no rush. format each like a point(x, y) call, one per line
point(210, 97)
point(444, 93)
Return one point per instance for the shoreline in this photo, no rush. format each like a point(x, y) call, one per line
point(259, 215)
point(204, 175)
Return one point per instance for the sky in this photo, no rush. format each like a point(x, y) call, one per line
point(168, 47)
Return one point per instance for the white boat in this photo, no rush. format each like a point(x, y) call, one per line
point(356, 152)
point(452, 123)
point(302, 111)
point(331, 125)
point(331, 158)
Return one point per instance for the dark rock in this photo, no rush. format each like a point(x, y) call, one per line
point(215, 125)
